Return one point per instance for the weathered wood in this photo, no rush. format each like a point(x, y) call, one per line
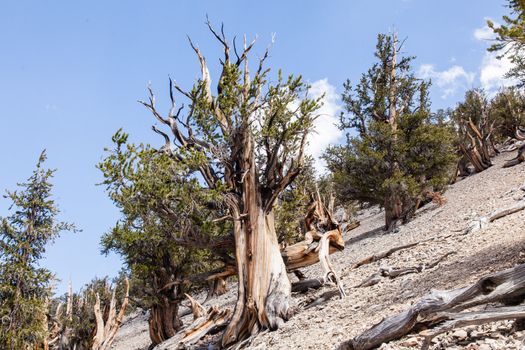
point(329, 273)
point(196, 308)
point(201, 326)
point(321, 299)
point(394, 272)
point(106, 328)
point(498, 214)
point(306, 285)
point(507, 285)
point(520, 157)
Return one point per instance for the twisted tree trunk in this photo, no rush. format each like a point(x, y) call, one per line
point(264, 292)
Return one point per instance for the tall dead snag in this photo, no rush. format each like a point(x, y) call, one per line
point(247, 144)
point(107, 327)
point(520, 157)
point(443, 308)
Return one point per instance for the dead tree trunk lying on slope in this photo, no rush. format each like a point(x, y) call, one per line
point(106, 329)
point(441, 306)
point(394, 272)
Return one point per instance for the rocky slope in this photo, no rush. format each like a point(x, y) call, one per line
point(468, 257)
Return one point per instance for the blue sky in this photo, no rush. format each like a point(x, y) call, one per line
point(72, 71)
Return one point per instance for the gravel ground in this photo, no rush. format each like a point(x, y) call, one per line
point(499, 246)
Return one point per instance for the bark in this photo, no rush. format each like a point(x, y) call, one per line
point(164, 321)
point(505, 287)
point(211, 320)
point(264, 291)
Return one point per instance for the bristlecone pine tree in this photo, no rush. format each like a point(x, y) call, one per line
point(507, 109)
point(400, 154)
point(246, 141)
point(166, 235)
point(24, 285)
point(475, 127)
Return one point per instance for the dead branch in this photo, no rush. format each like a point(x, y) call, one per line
point(196, 308)
point(483, 221)
point(504, 286)
point(382, 255)
point(106, 329)
point(394, 272)
point(201, 326)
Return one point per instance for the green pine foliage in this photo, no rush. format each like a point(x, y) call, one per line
point(24, 285)
point(510, 39)
point(507, 111)
point(166, 222)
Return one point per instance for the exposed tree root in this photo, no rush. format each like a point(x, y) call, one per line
point(432, 310)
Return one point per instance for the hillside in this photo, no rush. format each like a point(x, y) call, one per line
point(472, 255)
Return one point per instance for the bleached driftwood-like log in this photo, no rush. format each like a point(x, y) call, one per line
point(504, 286)
point(106, 329)
point(457, 320)
point(520, 157)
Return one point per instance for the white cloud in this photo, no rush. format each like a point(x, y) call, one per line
point(485, 33)
point(326, 131)
point(493, 70)
point(450, 80)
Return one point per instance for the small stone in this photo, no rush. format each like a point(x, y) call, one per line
point(410, 342)
point(484, 347)
point(460, 334)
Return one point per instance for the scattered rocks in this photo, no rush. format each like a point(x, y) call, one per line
point(498, 246)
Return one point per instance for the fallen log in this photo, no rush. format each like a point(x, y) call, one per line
point(503, 287)
point(520, 157)
point(393, 272)
point(381, 255)
point(471, 318)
